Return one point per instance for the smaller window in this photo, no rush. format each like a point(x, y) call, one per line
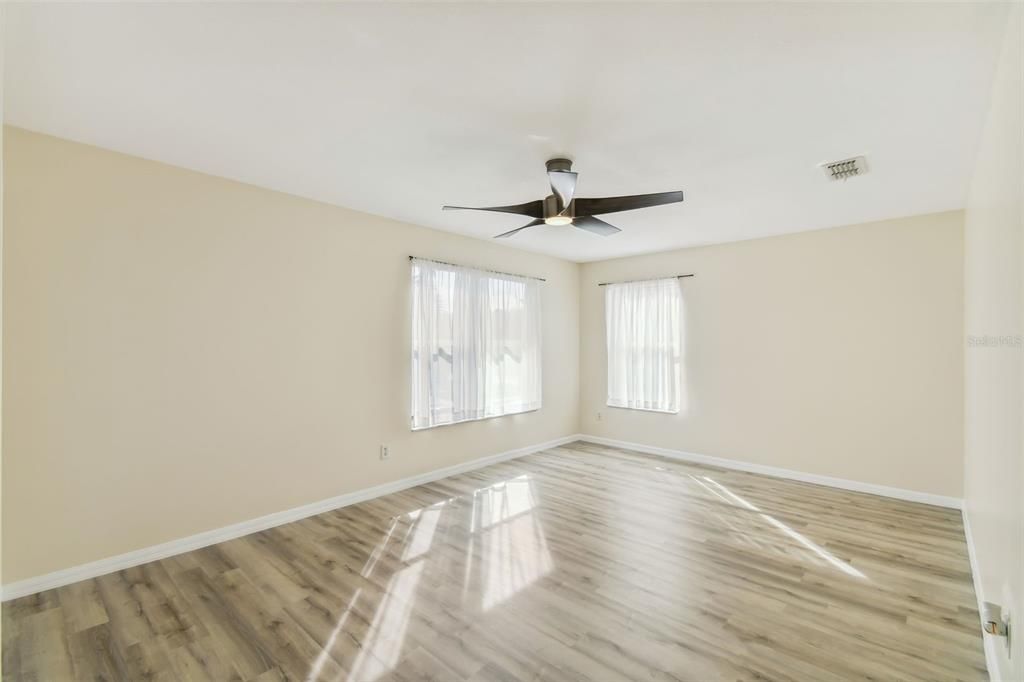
point(644, 334)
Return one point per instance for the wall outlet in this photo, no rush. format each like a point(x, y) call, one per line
point(599, 417)
point(384, 452)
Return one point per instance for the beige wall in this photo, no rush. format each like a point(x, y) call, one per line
point(184, 352)
point(994, 449)
point(837, 352)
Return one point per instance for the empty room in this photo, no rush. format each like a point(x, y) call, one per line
point(499, 341)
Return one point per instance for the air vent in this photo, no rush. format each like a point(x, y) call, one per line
point(845, 169)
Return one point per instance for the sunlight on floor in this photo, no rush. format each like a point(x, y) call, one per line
point(730, 497)
point(507, 552)
point(515, 555)
point(501, 502)
point(382, 647)
point(514, 551)
point(321, 659)
point(423, 531)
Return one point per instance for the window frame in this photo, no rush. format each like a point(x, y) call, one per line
point(480, 281)
point(676, 351)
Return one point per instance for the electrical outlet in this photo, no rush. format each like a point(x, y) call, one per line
point(599, 417)
point(384, 452)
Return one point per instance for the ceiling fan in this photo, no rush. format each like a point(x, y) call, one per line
point(561, 207)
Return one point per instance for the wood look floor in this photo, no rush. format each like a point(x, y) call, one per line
point(577, 563)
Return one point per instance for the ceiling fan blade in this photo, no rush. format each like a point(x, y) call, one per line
point(534, 209)
point(595, 225)
point(627, 203)
point(512, 232)
point(563, 184)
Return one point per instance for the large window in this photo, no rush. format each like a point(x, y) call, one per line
point(644, 330)
point(475, 344)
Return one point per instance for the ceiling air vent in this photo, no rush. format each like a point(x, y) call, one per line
point(845, 169)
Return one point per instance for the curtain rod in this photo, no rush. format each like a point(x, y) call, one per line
point(497, 272)
point(652, 279)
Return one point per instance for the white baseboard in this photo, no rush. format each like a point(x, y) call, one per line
point(778, 472)
point(187, 544)
point(989, 643)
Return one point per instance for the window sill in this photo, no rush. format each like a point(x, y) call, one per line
point(642, 409)
point(476, 419)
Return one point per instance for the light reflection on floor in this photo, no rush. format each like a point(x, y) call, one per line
point(507, 553)
point(733, 499)
point(382, 647)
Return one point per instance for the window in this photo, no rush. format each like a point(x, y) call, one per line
point(644, 333)
point(475, 344)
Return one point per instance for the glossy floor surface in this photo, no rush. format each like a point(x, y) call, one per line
point(577, 563)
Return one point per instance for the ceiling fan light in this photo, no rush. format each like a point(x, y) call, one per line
point(558, 220)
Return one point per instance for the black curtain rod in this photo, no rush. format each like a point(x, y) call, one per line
point(497, 272)
point(652, 279)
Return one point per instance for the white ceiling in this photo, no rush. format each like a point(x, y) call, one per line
point(396, 109)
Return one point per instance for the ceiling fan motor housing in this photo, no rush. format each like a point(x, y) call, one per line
point(553, 206)
point(559, 165)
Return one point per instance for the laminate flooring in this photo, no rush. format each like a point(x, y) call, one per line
point(582, 562)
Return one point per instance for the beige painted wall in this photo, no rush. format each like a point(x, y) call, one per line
point(837, 352)
point(994, 272)
point(184, 352)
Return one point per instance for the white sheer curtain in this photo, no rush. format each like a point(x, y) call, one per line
point(644, 335)
point(475, 344)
